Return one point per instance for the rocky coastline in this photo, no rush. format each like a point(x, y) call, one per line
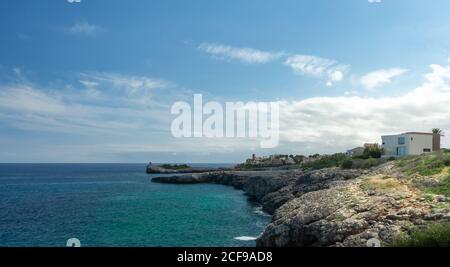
point(330, 207)
point(155, 169)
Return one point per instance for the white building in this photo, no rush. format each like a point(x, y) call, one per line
point(411, 143)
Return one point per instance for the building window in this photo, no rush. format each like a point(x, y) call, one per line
point(412, 138)
point(426, 150)
point(401, 140)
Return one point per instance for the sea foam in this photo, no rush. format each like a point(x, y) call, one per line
point(245, 238)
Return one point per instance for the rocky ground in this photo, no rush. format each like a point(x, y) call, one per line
point(333, 207)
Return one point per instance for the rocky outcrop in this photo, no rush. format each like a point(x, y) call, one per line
point(161, 170)
point(329, 207)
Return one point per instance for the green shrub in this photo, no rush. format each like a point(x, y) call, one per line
point(175, 166)
point(373, 152)
point(370, 163)
point(347, 164)
point(361, 157)
point(327, 161)
point(437, 235)
point(446, 159)
point(392, 159)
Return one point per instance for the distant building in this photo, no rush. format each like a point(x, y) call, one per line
point(357, 151)
point(289, 161)
point(410, 143)
point(371, 145)
point(312, 158)
point(273, 160)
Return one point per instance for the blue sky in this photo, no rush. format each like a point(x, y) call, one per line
point(94, 81)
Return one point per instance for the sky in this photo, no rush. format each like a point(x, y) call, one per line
point(94, 81)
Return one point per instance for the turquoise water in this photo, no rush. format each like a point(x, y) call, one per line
point(118, 205)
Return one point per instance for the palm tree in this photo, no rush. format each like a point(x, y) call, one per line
point(437, 131)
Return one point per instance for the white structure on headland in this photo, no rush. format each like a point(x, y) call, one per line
point(410, 143)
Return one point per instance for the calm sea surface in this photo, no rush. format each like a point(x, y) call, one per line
point(118, 205)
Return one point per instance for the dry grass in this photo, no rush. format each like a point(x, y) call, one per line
point(383, 184)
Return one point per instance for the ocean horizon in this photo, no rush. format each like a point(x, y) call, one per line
point(116, 204)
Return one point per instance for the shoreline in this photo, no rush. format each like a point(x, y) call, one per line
point(327, 207)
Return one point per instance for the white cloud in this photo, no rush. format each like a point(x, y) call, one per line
point(247, 55)
point(381, 77)
point(85, 28)
point(105, 103)
point(132, 83)
point(310, 65)
point(138, 89)
point(317, 67)
point(351, 92)
point(24, 98)
point(330, 124)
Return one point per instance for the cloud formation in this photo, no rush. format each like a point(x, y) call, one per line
point(338, 123)
point(314, 66)
point(312, 125)
point(246, 55)
point(317, 67)
point(103, 103)
point(84, 28)
point(381, 77)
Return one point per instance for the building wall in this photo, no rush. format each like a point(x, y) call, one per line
point(390, 144)
point(436, 142)
point(419, 143)
point(414, 144)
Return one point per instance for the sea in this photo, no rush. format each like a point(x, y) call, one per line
point(117, 205)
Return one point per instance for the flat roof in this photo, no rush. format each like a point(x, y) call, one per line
point(421, 133)
point(417, 133)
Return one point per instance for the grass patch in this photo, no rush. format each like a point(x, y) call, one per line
point(442, 206)
point(443, 188)
point(425, 165)
point(382, 184)
point(428, 198)
point(436, 235)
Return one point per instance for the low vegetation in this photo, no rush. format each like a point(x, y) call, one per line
point(436, 235)
point(327, 161)
point(175, 166)
point(425, 165)
point(429, 173)
point(344, 161)
point(370, 158)
point(441, 188)
point(347, 164)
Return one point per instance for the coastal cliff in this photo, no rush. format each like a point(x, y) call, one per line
point(335, 207)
